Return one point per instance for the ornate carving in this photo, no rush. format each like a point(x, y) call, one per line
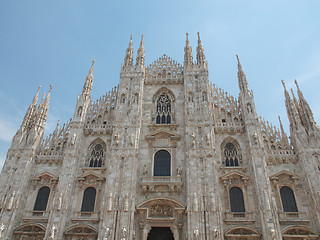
point(160, 211)
point(164, 68)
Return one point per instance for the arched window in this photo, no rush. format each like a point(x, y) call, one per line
point(230, 154)
point(163, 113)
point(236, 200)
point(96, 156)
point(162, 163)
point(89, 198)
point(288, 200)
point(42, 199)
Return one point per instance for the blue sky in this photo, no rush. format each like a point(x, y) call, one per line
point(54, 42)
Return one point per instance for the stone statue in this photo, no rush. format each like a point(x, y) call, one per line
point(124, 233)
point(106, 233)
point(53, 232)
point(179, 171)
point(60, 202)
point(73, 139)
point(196, 233)
point(1, 229)
point(195, 202)
point(109, 209)
point(117, 139)
point(208, 138)
point(144, 171)
point(126, 203)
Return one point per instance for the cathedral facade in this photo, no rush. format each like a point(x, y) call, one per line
point(164, 155)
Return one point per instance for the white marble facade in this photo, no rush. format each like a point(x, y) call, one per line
point(164, 155)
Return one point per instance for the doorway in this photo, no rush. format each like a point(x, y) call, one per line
point(160, 233)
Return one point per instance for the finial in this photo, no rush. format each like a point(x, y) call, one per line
point(284, 85)
point(296, 82)
point(198, 36)
point(187, 36)
point(237, 57)
point(50, 87)
point(131, 37)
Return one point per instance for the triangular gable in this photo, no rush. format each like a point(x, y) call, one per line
point(285, 173)
point(233, 174)
point(45, 175)
point(89, 175)
point(162, 133)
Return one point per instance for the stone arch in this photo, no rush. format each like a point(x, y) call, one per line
point(242, 232)
point(238, 156)
point(96, 153)
point(298, 232)
point(165, 91)
point(34, 231)
point(85, 231)
point(160, 212)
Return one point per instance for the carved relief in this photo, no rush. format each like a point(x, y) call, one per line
point(160, 211)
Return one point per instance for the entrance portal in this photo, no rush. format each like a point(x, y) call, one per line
point(160, 233)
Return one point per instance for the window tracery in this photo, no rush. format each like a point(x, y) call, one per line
point(163, 110)
point(96, 156)
point(231, 155)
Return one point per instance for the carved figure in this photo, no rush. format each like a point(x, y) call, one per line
point(255, 137)
point(124, 233)
point(144, 171)
point(196, 233)
point(53, 232)
point(126, 203)
point(73, 139)
point(179, 171)
point(208, 138)
point(60, 202)
point(215, 232)
point(1, 229)
point(110, 203)
point(106, 233)
point(117, 139)
point(193, 139)
point(195, 202)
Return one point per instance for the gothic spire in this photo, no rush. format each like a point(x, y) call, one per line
point(242, 78)
point(140, 61)
point(305, 108)
point(128, 60)
point(188, 59)
point(201, 59)
point(87, 86)
point(31, 110)
point(44, 111)
point(284, 137)
point(292, 110)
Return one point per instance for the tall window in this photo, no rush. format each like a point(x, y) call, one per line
point(230, 154)
point(89, 198)
point(42, 199)
point(162, 163)
point(96, 156)
point(288, 200)
point(236, 200)
point(163, 114)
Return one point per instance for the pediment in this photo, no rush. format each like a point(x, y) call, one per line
point(162, 134)
point(282, 174)
point(45, 176)
point(91, 175)
point(234, 174)
point(161, 201)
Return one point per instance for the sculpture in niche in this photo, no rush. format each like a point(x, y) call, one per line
point(193, 139)
point(73, 139)
point(126, 203)
point(117, 139)
point(60, 202)
point(208, 138)
point(161, 211)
